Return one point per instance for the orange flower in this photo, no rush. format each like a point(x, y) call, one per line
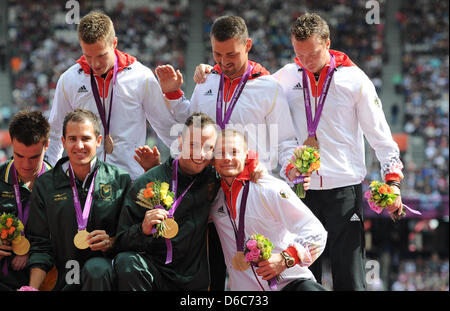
point(11, 230)
point(389, 190)
point(315, 166)
point(150, 184)
point(148, 193)
point(4, 234)
point(316, 154)
point(9, 222)
point(382, 189)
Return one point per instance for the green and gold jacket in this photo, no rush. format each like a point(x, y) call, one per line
point(189, 267)
point(52, 223)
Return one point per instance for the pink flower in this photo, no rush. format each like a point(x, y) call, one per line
point(27, 289)
point(377, 209)
point(251, 244)
point(253, 255)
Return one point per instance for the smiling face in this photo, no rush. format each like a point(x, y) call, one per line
point(197, 147)
point(312, 52)
point(28, 159)
point(230, 156)
point(80, 143)
point(100, 55)
point(231, 55)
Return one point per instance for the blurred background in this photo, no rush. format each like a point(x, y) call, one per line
point(405, 52)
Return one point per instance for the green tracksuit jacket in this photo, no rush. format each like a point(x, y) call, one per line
point(13, 279)
point(52, 224)
point(189, 267)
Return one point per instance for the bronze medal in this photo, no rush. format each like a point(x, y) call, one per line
point(21, 247)
point(108, 144)
point(171, 228)
point(239, 263)
point(80, 239)
point(312, 142)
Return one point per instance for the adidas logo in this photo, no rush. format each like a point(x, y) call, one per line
point(298, 86)
point(208, 93)
point(355, 218)
point(82, 89)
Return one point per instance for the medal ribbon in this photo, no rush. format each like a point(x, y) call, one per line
point(239, 232)
point(223, 121)
point(102, 109)
point(314, 123)
point(82, 216)
point(175, 204)
point(21, 213)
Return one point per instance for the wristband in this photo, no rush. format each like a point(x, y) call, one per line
point(393, 183)
point(174, 95)
point(292, 251)
point(288, 168)
point(393, 177)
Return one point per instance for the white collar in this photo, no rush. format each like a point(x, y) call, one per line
point(65, 168)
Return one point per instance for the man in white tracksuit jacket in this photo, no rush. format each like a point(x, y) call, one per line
point(271, 209)
point(136, 96)
point(351, 111)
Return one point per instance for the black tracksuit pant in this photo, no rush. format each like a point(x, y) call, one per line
point(341, 212)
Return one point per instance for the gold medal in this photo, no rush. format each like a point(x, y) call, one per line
point(239, 263)
point(312, 142)
point(21, 247)
point(80, 239)
point(171, 228)
point(108, 144)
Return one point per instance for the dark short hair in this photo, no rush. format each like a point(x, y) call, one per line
point(29, 127)
point(310, 24)
point(80, 116)
point(228, 27)
point(197, 119)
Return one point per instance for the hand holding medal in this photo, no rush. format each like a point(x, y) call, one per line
point(156, 195)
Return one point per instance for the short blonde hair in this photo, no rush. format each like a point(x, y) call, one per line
point(96, 26)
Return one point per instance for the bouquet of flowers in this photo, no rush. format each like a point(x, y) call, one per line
point(306, 159)
point(156, 195)
point(381, 195)
point(11, 230)
point(257, 248)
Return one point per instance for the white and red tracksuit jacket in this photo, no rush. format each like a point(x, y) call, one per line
point(352, 111)
point(137, 98)
point(276, 212)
